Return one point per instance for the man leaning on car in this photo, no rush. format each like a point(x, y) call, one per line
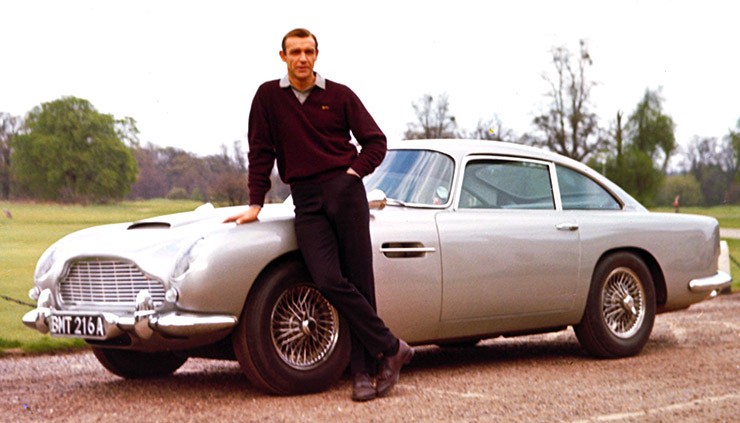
point(304, 121)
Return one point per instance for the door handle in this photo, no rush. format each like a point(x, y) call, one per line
point(405, 249)
point(568, 227)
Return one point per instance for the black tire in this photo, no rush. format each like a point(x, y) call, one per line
point(620, 310)
point(315, 347)
point(138, 365)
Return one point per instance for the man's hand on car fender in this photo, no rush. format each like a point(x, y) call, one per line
point(250, 215)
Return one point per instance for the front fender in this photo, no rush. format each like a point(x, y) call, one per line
point(228, 264)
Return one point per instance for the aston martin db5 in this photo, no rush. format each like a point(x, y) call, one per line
point(471, 240)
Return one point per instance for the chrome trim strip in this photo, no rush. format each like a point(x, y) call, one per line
point(718, 281)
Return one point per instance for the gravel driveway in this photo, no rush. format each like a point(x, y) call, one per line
point(688, 372)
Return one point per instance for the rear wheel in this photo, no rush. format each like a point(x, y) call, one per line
point(620, 310)
point(137, 365)
point(290, 339)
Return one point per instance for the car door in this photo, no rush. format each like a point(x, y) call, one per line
point(507, 248)
point(408, 272)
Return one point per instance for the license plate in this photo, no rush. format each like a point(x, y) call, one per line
point(91, 326)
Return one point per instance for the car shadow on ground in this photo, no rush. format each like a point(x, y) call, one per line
point(202, 377)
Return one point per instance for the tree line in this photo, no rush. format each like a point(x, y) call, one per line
point(633, 151)
point(67, 151)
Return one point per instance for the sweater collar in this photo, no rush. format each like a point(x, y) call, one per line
point(320, 82)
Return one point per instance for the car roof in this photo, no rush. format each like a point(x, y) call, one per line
point(459, 148)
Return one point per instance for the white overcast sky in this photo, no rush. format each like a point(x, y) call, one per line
point(187, 70)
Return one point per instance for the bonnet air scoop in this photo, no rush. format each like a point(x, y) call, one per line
point(149, 225)
point(202, 212)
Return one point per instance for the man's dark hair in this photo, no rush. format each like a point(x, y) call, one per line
point(300, 33)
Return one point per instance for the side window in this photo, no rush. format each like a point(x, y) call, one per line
point(506, 184)
point(579, 192)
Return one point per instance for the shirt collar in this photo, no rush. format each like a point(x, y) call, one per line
point(320, 82)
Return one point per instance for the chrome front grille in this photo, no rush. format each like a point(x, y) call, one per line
point(107, 282)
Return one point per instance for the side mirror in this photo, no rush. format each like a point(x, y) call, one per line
point(376, 199)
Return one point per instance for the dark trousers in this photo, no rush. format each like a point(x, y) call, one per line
point(332, 228)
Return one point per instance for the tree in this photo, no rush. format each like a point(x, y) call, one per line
point(569, 127)
point(433, 119)
point(684, 186)
point(733, 140)
point(629, 166)
point(71, 152)
point(492, 130)
point(641, 149)
point(619, 138)
point(232, 188)
point(714, 165)
point(635, 173)
point(10, 126)
point(213, 177)
point(651, 131)
point(151, 181)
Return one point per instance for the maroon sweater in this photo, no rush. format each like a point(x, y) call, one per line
point(311, 141)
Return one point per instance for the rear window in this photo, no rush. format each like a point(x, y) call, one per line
point(579, 192)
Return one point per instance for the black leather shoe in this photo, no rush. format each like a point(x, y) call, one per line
point(391, 370)
point(362, 388)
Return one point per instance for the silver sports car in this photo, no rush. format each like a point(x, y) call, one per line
point(471, 240)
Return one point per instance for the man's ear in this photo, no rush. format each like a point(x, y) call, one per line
point(282, 56)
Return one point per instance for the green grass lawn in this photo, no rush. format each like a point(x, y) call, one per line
point(728, 216)
point(32, 229)
point(734, 245)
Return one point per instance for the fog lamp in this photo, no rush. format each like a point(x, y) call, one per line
point(172, 295)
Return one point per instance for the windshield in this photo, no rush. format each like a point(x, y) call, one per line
point(419, 177)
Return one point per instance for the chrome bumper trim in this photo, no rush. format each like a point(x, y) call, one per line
point(172, 324)
point(185, 326)
point(720, 280)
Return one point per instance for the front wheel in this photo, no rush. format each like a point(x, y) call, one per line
point(290, 339)
point(620, 309)
point(137, 365)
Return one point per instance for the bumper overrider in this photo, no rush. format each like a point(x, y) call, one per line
point(718, 281)
point(145, 322)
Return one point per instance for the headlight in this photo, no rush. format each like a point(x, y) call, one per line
point(46, 261)
point(186, 257)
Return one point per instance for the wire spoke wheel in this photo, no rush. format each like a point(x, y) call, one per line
point(621, 306)
point(305, 327)
point(623, 302)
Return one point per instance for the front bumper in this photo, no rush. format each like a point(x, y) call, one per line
point(143, 324)
point(718, 281)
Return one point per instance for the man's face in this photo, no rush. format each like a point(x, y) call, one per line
point(300, 55)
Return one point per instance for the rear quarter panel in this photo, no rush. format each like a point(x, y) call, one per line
point(684, 246)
